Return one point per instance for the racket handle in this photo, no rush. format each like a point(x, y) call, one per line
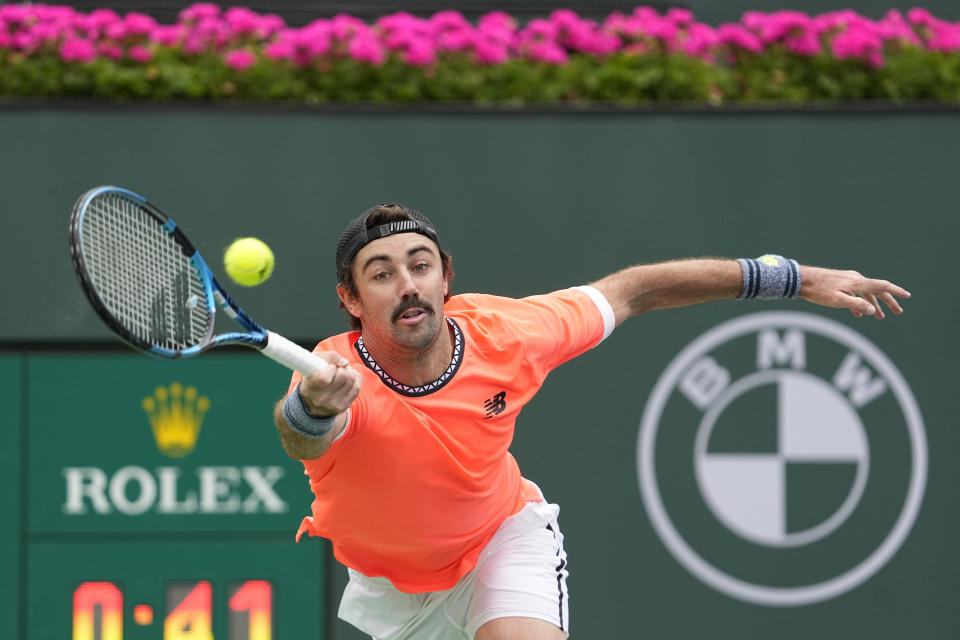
point(292, 355)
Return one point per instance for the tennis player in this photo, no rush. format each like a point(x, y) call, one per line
point(405, 440)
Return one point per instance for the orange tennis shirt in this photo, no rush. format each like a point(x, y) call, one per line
point(421, 477)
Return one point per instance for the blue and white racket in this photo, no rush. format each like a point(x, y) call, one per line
point(151, 287)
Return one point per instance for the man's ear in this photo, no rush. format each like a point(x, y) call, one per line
point(350, 301)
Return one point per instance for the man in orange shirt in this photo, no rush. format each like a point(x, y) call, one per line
point(405, 439)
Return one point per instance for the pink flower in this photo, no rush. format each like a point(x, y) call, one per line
point(241, 20)
point(497, 21)
point(836, 20)
point(594, 42)
point(945, 40)
point(679, 17)
point(645, 14)
point(739, 37)
point(548, 52)
point(270, 24)
point(167, 36)
point(540, 29)
point(23, 41)
point(420, 53)
point(116, 30)
point(489, 51)
point(344, 27)
point(399, 40)
point(14, 14)
point(366, 48)
point(504, 37)
point(240, 59)
point(455, 40)
point(110, 50)
point(806, 43)
point(894, 27)
point(194, 45)
point(316, 43)
point(858, 42)
point(449, 20)
point(139, 24)
point(401, 21)
point(701, 39)
point(209, 27)
point(774, 27)
point(565, 18)
point(103, 17)
point(77, 50)
point(139, 53)
point(663, 30)
point(199, 11)
point(280, 50)
point(46, 13)
point(46, 32)
point(919, 16)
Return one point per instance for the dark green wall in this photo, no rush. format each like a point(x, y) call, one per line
point(600, 191)
point(11, 499)
point(531, 202)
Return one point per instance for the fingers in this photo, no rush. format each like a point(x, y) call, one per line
point(890, 288)
point(333, 358)
point(332, 390)
point(877, 310)
point(334, 396)
point(875, 291)
point(891, 302)
point(860, 307)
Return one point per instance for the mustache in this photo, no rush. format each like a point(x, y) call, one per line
point(411, 303)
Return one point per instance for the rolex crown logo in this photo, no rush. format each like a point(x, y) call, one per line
point(176, 414)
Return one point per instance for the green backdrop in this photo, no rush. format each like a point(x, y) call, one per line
point(528, 202)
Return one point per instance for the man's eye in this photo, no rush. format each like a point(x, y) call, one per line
point(381, 275)
point(421, 267)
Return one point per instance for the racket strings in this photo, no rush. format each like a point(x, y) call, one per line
point(142, 275)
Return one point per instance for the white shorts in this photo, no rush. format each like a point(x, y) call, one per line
point(522, 572)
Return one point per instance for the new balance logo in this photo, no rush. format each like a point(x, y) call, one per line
point(495, 405)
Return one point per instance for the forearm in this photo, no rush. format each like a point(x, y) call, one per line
point(299, 446)
point(669, 285)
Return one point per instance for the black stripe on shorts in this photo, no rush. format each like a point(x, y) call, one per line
point(559, 571)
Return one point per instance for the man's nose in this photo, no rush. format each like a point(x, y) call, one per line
point(407, 286)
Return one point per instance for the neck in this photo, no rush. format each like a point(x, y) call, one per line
point(413, 366)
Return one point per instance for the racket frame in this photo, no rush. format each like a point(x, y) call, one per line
point(270, 344)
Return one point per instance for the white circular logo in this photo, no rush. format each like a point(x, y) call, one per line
point(754, 458)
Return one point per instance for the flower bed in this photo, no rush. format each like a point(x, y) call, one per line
point(642, 57)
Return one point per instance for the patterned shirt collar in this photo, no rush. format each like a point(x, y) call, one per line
point(424, 389)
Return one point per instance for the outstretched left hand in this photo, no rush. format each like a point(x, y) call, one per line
point(850, 290)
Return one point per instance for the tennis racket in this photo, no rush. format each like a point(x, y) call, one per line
point(152, 288)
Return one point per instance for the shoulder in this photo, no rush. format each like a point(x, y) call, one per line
point(480, 302)
point(479, 305)
point(538, 314)
point(485, 310)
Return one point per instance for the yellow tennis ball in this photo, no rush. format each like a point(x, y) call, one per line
point(248, 261)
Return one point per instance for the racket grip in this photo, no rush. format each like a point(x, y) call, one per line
point(292, 355)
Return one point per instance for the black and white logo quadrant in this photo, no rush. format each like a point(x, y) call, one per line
point(782, 458)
